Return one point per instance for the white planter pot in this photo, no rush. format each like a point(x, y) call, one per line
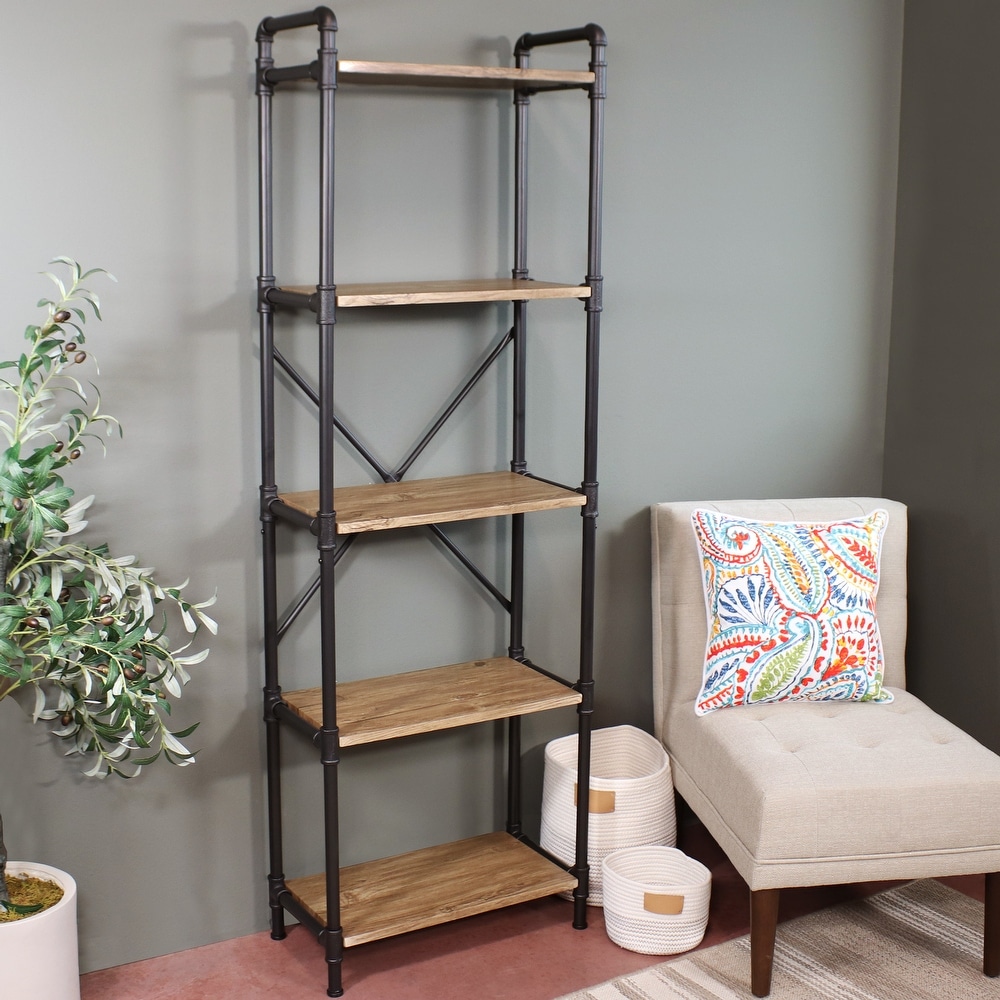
point(39, 957)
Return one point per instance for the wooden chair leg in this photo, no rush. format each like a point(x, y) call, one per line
point(763, 928)
point(991, 926)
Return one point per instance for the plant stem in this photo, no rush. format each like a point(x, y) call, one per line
point(7, 684)
point(4, 895)
point(24, 409)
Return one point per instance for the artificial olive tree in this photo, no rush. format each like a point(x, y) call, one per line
point(83, 633)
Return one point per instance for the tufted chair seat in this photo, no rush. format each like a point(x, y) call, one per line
point(818, 793)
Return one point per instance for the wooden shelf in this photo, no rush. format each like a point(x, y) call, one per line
point(380, 899)
point(424, 701)
point(432, 501)
point(410, 293)
point(488, 77)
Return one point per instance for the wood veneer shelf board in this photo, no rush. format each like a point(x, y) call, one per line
point(391, 896)
point(490, 77)
point(381, 506)
point(416, 293)
point(425, 701)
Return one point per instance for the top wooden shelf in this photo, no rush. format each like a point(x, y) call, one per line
point(479, 77)
point(403, 293)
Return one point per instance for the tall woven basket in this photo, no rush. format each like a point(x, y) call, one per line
point(631, 798)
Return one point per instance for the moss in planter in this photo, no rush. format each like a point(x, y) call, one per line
point(29, 895)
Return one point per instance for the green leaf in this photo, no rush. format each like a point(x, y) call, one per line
point(8, 652)
point(22, 908)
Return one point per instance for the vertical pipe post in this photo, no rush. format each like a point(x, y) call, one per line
point(518, 447)
point(519, 375)
point(329, 736)
point(268, 488)
point(593, 306)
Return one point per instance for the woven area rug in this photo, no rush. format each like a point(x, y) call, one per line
point(919, 941)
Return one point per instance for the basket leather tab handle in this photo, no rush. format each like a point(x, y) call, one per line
point(601, 800)
point(659, 902)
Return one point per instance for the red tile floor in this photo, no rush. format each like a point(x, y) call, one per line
point(526, 952)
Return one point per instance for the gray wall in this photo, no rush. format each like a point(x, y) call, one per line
point(751, 165)
point(943, 424)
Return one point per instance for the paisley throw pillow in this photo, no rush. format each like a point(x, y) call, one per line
point(791, 610)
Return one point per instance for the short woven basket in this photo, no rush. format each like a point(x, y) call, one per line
point(655, 900)
point(631, 798)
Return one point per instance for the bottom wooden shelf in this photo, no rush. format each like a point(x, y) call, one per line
point(391, 896)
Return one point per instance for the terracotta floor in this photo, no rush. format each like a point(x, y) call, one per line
point(527, 952)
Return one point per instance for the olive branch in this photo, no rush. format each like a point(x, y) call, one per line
point(85, 629)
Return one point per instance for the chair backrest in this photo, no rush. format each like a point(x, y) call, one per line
point(680, 622)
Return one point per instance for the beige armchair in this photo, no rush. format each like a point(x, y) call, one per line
point(808, 793)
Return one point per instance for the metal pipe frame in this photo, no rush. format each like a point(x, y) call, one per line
point(323, 302)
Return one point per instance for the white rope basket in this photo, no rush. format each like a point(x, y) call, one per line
point(631, 797)
point(655, 900)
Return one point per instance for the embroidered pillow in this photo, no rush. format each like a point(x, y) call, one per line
point(791, 610)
